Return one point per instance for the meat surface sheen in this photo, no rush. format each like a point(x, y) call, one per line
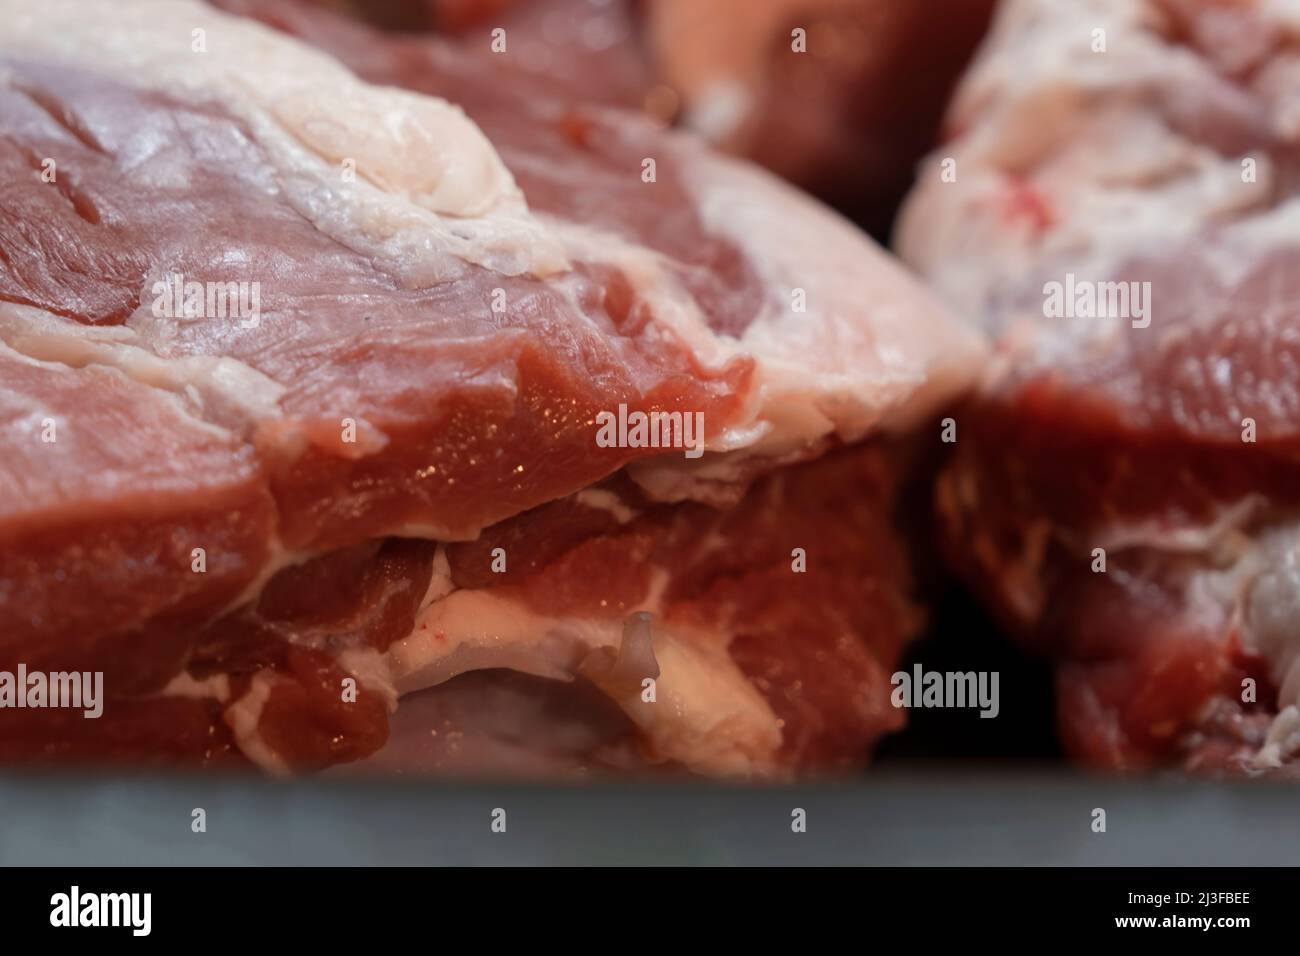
point(233, 510)
point(1125, 486)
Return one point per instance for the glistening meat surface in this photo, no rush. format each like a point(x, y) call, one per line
point(223, 506)
point(1144, 154)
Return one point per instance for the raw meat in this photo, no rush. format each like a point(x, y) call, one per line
point(847, 115)
point(231, 514)
point(1125, 490)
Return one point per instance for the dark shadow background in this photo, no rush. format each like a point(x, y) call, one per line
point(962, 637)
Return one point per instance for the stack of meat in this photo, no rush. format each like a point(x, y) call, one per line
point(307, 378)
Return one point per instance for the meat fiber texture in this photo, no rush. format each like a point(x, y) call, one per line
point(1117, 203)
point(363, 461)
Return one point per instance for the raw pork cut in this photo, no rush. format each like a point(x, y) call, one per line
point(1118, 203)
point(372, 465)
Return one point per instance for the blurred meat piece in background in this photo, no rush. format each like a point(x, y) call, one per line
point(589, 49)
point(847, 115)
point(848, 118)
point(1118, 204)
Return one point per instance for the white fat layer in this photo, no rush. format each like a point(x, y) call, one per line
point(870, 348)
point(1225, 529)
point(243, 717)
point(602, 499)
point(205, 381)
point(370, 668)
point(1267, 588)
point(440, 583)
point(1098, 138)
point(706, 714)
point(1251, 582)
point(429, 186)
point(216, 687)
point(1283, 739)
point(424, 531)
